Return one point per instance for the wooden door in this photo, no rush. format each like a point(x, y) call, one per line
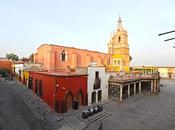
point(69, 102)
point(80, 99)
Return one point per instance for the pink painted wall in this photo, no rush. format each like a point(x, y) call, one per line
point(49, 56)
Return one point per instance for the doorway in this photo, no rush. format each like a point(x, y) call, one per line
point(80, 98)
point(99, 95)
point(69, 102)
point(93, 97)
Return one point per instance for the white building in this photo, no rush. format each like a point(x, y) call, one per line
point(17, 67)
point(97, 84)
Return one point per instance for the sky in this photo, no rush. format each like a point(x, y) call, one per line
point(88, 24)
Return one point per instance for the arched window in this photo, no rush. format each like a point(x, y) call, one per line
point(64, 55)
point(40, 88)
point(118, 62)
point(115, 62)
point(119, 39)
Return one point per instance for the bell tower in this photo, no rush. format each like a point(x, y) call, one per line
point(118, 47)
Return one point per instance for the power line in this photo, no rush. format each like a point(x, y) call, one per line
point(169, 39)
point(166, 33)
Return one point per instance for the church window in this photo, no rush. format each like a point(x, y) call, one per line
point(64, 56)
point(115, 62)
point(118, 62)
point(119, 39)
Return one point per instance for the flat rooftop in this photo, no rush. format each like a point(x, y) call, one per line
point(60, 73)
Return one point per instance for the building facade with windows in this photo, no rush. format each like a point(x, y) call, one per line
point(60, 90)
point(61, 58)
point(17, 67)
point(97, 82)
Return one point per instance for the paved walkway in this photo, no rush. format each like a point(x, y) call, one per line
point(21, 109)
point(14, 114)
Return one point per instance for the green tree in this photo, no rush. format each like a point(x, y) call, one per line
point(130, 58)
point(25, 59)
point(31, 58)
point(12, 56)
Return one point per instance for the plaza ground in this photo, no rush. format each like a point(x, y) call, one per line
point(141, 112)
point(149, 112)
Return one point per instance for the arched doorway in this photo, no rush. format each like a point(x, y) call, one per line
point(69, 98)
point(80, 98)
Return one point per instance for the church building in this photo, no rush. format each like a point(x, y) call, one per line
point(118, 48)
point(58, 58)
point(61, 58)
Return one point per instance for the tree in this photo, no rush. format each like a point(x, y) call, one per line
point(12, 56)
point(4, 72)
point(31, 58)
point(130, 58)
point(25, 59)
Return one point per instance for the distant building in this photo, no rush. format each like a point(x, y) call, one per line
point(167, 72)
point(144, 69)
point(18, 67)
point(164, 71)
point(30, 67)
point(5, 67)
point(118, 48)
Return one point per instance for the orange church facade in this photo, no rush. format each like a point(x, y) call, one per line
point(62, 58)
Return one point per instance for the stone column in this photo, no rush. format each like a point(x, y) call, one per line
point(140, 85)
point(96, 96)
point(134, 88)
point(158, 85)
point(155, 86)
point(129, 90)
point(152, 86)
point(121, 93)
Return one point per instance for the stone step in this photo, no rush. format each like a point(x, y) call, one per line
point(101, 117)
point(133, 98)
point(76, 124)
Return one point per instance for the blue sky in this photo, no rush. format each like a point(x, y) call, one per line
point(87, 24)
